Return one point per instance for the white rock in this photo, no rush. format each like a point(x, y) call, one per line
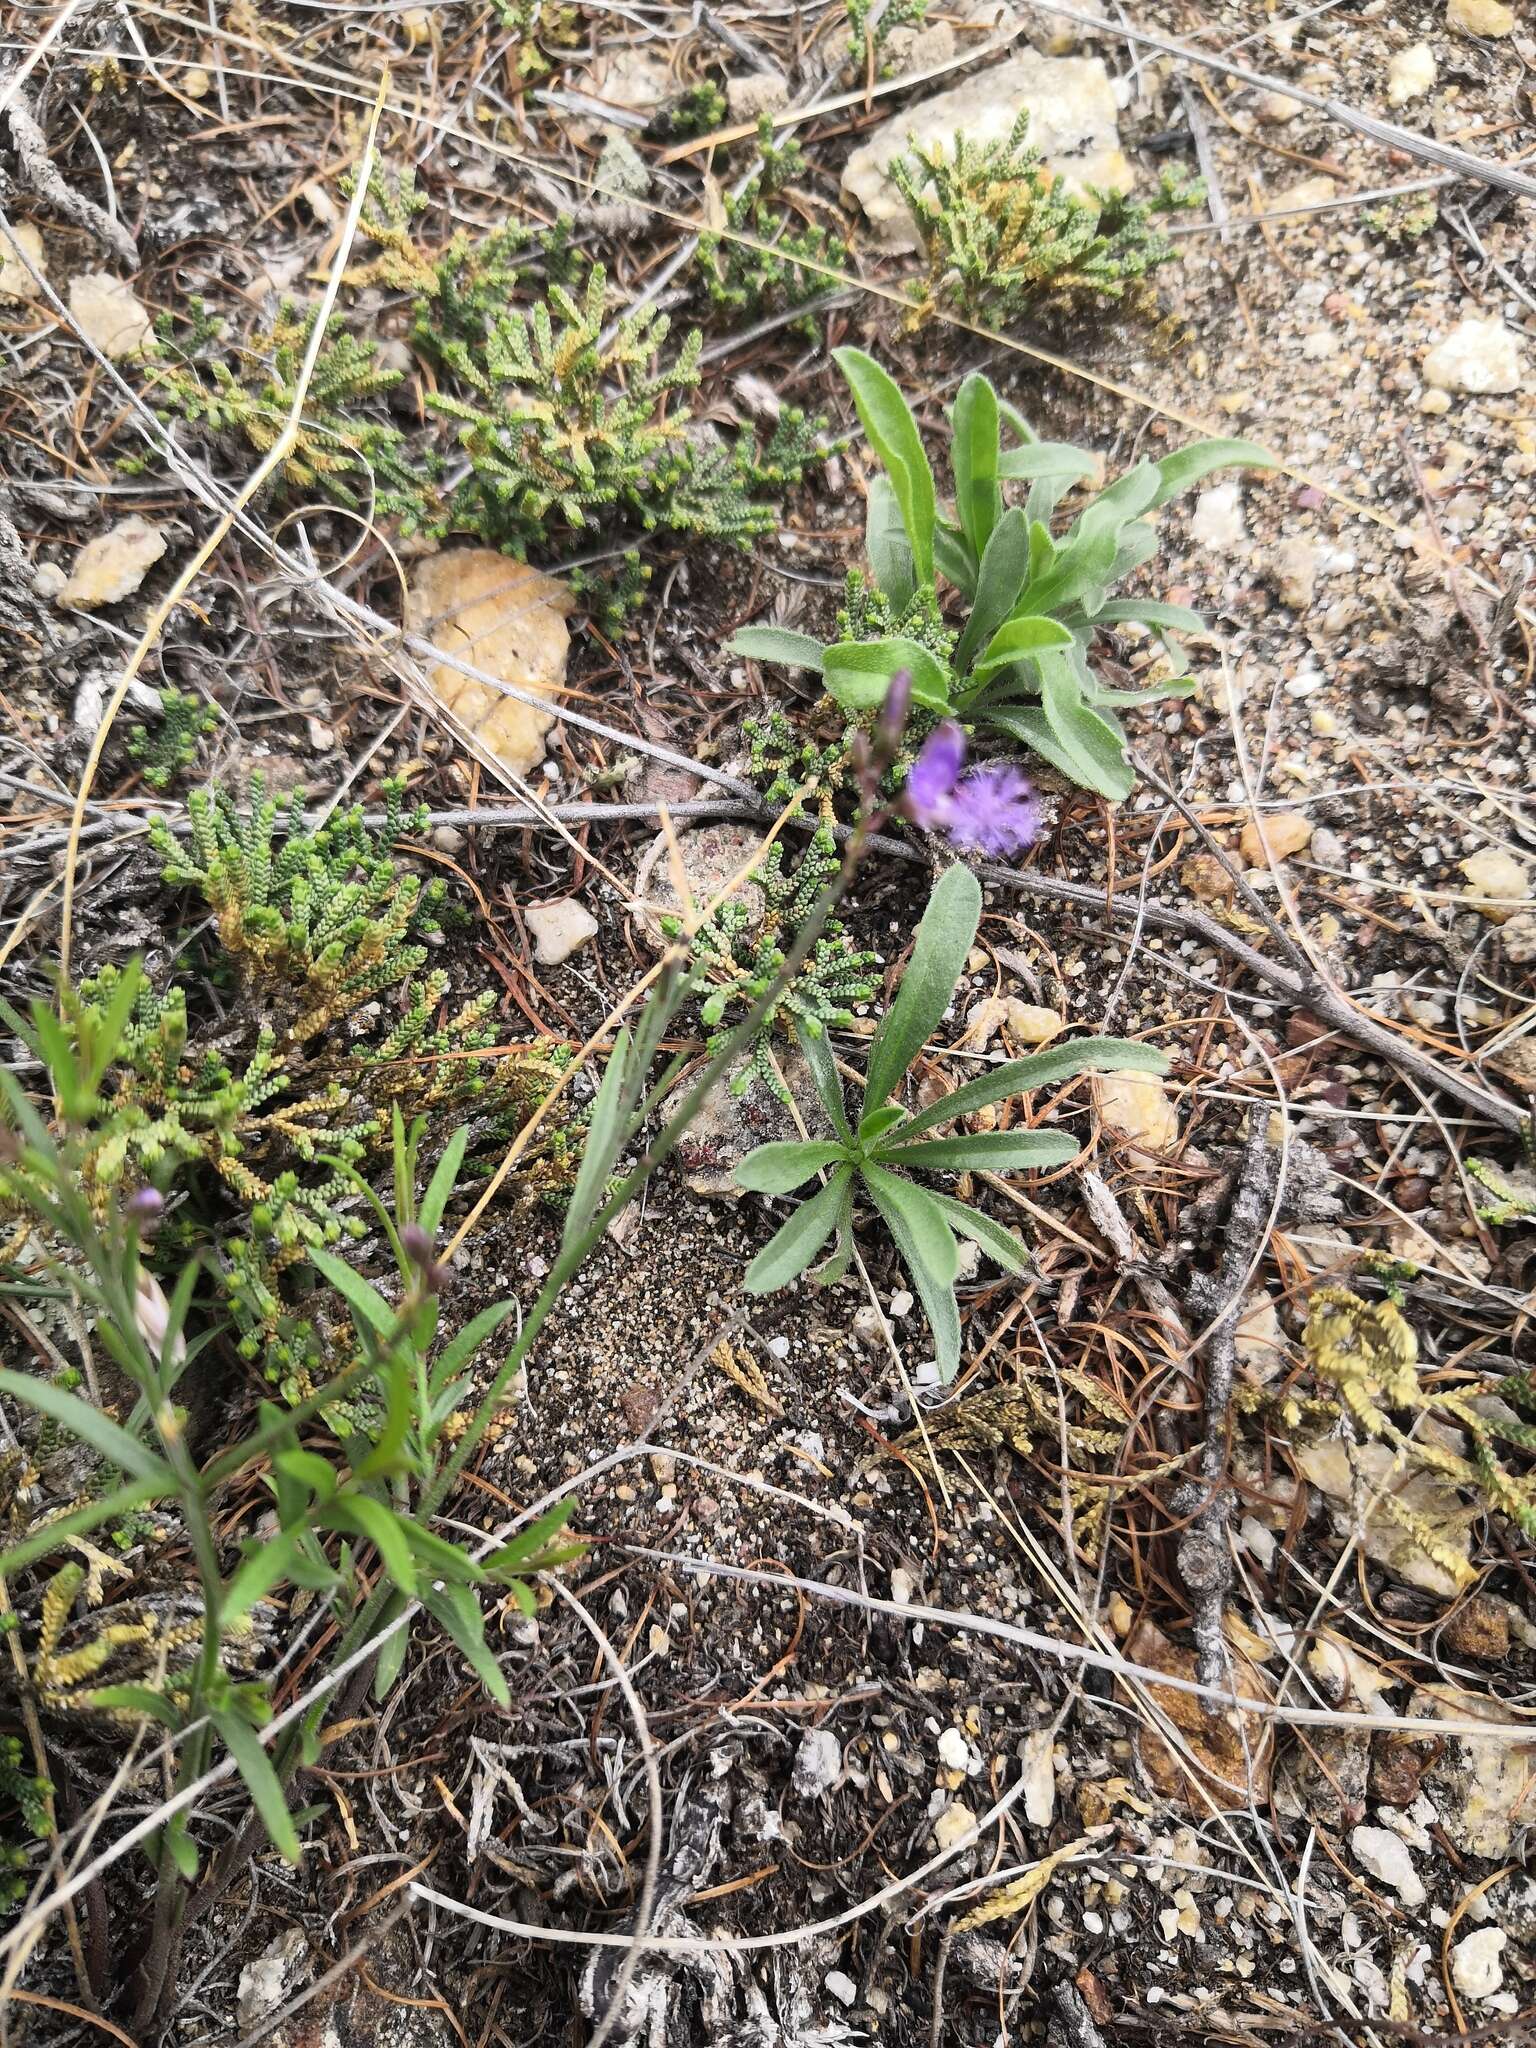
point(1072, 111)
point(1259, 1340)
point(954, 1750)
point(1218, 517)
point(1410, 74)
point(264, 1981)
point(1475, 1965)
point(559, 929)
point(727, 1125)
point(1382, 1854)
point(113, 565)
point(1482, 1792)
point(818, 1763)
point(1478, 356)
point(1426, 1495)
point(695, 866)
point(756, 92)
point(953, 1824)
point(840, 1986)
point(901, 1304)
point(1039, 1778)
point(16, 281)
point(108, 314)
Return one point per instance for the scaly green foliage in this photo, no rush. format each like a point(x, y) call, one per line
point(697, 110)
point(563, 431)
point(343, 450)
point(1003, 237)
point(876, 1152)
point(166, 749)
point(754, 283)
point(542, 28)
point(743, 958)
point(1514, 1199)
point(1366, 1354)
point(29, 1795)
point(862, 31)
point(321, 940)
point(1034, 602)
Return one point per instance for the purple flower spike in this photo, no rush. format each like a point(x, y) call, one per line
point(931, 784)
point(994, 811)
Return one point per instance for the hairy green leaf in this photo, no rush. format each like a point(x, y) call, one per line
point(938, 959)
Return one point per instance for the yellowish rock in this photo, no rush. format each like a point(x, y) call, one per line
point(1024, 1023)
point(1502, 884)
point(1310, 192)
point(1221, 1759)
point(1410, 74)
point(108, 314)
point(1283, 832)
point(17, 282)
point(113, 565)
point(506, 619)
point(1135, 1109)
point(1480, 18)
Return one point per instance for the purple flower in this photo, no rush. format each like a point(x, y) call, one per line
point(931, 784)
point(994, 811)
point(990, 809)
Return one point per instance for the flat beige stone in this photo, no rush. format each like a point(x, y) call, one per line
point(507, 619)
point(113, 565)
point(1480, 18)
point(1283, 832)
point(17, 282)
point(108, 314)
point(1072, 122)
point(1501, 884)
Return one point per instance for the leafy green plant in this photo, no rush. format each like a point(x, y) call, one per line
point(875, 1151)
point(166, 749)
point(378, 1495)
point(564, 431)
point(320, 937)
point(1033, 603)
point(343, 450)
point(355, 1526)
point(741, 279)
point(1003, 237)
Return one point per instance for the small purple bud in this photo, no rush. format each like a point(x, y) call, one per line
point(931, 784)
point(893, 712)
point(145, 1207)
point(417, 1246)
